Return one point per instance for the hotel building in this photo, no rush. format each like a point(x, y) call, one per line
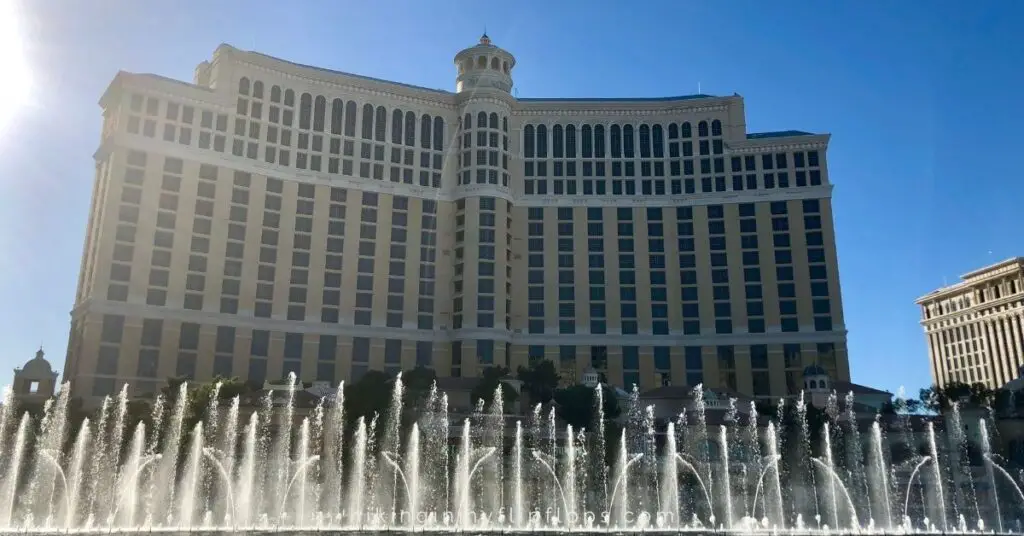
point(975, 328)
point(273, 217)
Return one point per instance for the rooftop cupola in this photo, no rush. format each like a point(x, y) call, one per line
point(484, 67)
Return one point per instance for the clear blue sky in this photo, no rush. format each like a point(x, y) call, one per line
point(922, 100)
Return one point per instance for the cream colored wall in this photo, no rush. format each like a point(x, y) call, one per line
point(997, 320)
point(92, 304)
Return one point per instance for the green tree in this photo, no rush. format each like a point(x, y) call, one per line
point(1008, 403)
point(370, 394)
point(767, 409)
point(577, 405)
point(792, 426)
point(939, 399)
point(417, 384)
point(539, 381)
point(139, 411)
point(489, 381)
point(199, 397)
point(907, 406)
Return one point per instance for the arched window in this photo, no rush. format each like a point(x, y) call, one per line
point(627, 142)
point(350, 118)
point(305, 110)
point(495, 64)
point(645, 141)
point(504, 124)
point(438, 134)
point(481, 62)
point(243, 86)
point(467, 122)
point(397, 120)
point(686, 132)
point(337, 113)
point(504, 66)
point(425, 131)
point(702, 129)
point(570, 141)
point(657, 139)
point(381, 123)
point(275, 94)
point(257, 89)
point(599, 141)
point(557, 142)
point(673, 131)
point(616, 141)
point(542, 141)
point(588, 142)
point(493, 121)
point(289, 97)
point(528, 141)
point(319, 113)
point(367, 121)
point(481, 120)
point(716, 128)
point(410, 129)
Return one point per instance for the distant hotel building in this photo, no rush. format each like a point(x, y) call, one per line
point(975, 328)
point(273, 217)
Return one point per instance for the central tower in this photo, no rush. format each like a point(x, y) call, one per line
point(481, 290)
point(484, 66)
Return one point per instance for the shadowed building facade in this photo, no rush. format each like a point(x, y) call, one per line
point(272, 217)
point(975, 328)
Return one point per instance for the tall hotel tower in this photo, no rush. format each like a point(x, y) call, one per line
point(273, 217)
point(975, 328)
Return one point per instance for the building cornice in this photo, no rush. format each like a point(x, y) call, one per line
point(335, 80)
point(463, 191)
point(227, 160)
point(486, 97)
point(448, 335)
point(162, 87)
point(787, 143)
point(1007, 266)
point(450, 193)
point(974, 279)
point(714, 198)
point(614, 109)
point(1011, 305)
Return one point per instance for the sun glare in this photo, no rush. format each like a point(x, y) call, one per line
point(14, 90)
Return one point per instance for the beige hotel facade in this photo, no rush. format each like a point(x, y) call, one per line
point(975, 328)
point(271, 217)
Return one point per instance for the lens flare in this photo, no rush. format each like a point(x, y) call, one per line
point(15, 89)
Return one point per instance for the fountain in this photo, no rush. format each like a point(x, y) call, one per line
point(274, 469)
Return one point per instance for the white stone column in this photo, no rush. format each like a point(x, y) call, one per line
point(993, 353)
point(999, 328)
point(1015, 343)
point(984, 356)
point(938, 363)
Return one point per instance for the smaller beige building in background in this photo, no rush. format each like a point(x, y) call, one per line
point(975, 328)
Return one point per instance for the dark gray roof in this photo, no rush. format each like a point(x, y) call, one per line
point(353, 75)
point(814, 370)
point(858, 389)
point(618, 99)
point(777, 134)
point(172, 80)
